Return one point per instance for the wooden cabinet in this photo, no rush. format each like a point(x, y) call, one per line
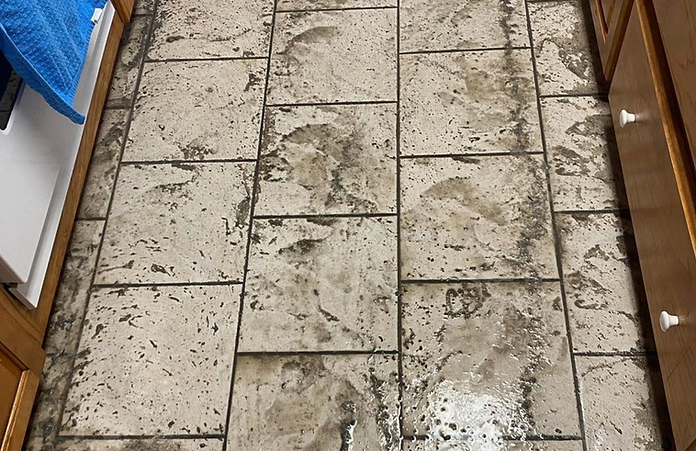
point(610, 20)
point(647, 97)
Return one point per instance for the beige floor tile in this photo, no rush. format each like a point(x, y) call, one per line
point(197, 110)
point(140, 445)
point(178, 223)
point(154, 361)
point(70, 302)
point(211, 28)
point(585, 172)
point(486, 217)
point(566, 54)
point(486, 360)
point(606, 300)
point(334, 56)
point(453, 24)
point(106, 155)
point(328, 160)
point(144, 7)
point(321, 284)
point(452, 445)
point(622, 403)
point(315, 402)
point(128, 63)
point(53, 389)
point(468, 102)
point(291, 5)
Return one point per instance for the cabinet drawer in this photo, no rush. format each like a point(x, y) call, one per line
point(659, 188)
point(610, 18)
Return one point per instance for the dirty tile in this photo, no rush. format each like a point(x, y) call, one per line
point(321, 284)
point(452, 445)
point(333, 56)
point(156, 444)
point(453, 24)
point(197, 110)
point(73, 290)
point(128, 63)
point(178, 223)
point(106, 155)
point(483, 361)
point(144, 7)
point(484, 217)
point(154, 360)
point(293, 5)
point(210, 28)
point(468, 102)
point(315, 402)
point(606, 301)
point(622, 403)
point(567, 58)
point(584, 166)
point(53, 388)
point(328, 159)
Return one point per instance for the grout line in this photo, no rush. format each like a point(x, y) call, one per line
point(477, 49)
point(142, 437)
point(491, 280)
point(115, 107)
point(471, 155)
point(399, 291)
point(355, 8)
point(596, 95)
point(126, 130)
point(557, 244)
point(212, 58)
point(338, 103)
point(176, 162)
point(301, 353)
point(252, 207)
point(164, 284)
point(617, 211)
point(322, 216)
point(644, 353)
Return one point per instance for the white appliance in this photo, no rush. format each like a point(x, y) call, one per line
point(38, 149)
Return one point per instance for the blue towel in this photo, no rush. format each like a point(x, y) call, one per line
point(46, 42)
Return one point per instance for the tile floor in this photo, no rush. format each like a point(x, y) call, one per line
point(353, 225)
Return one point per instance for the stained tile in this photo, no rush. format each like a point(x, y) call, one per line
point(585, 172)
point(334, 56)
point(102, 169)
point(144, 7)
point(321, 284)
point(622, 402)
point(567, 58)
point(178, 223)
point(452, 445)
point(453, 24)
point(486, 360)
point(292, 5)
point(73, 290)
point(469, 217)
point(606, 300)
point(315, 402)
point(156, 444)
point(128, 63)
point(197, 110)
point(53, 389)
point(468, 102)
point(328, 159)
point(210, 28)
point(154, 360)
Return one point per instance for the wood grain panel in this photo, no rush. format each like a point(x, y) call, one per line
point(124, 8)
point(659, 184)
point(610, 27)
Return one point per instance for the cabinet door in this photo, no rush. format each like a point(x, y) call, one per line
point(610, 18)
point(21, 362)
point(124, 9)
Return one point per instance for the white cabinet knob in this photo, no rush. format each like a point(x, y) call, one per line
point(667, 321)
point(626, 118)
